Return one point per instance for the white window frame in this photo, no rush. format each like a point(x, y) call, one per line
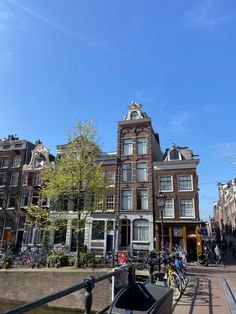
point(165, 209)
point(110, 202)
point(128, 199)
point(4, 174)
point(142, 172)
point(16, 161)
point(24, 195)
point(141, 232)
point(25, 178)
point(111, 178)
point(159, 183)
point(193, 208)
point(125, 170)
point(9, 201)
point(191, 180)
point(143, 199)
point(36, 179)
point(14, 179)
point(127, 149)
point(141, 147)
point(8, 161)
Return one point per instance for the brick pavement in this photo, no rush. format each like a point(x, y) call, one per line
point(206, 292)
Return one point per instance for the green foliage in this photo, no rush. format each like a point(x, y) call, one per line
point(7, 261)
point(86, 259)
point(57, 259)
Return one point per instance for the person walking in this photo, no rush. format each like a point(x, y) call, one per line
point(218, 254)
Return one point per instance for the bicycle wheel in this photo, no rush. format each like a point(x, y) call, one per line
point(174, 282)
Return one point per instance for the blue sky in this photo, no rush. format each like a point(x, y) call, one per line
point(63, 61)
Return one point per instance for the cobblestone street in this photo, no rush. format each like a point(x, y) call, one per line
point(211, 289)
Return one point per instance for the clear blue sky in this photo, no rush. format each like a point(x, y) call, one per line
point(63, 61)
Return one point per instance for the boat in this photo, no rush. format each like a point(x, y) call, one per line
point(140, 298)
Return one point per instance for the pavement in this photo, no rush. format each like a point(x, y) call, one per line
point(210, 289)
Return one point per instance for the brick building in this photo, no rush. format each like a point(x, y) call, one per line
point(176, 177)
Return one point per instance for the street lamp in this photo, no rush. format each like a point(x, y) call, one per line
point(161, 200)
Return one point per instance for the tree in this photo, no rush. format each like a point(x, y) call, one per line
point(76, 181)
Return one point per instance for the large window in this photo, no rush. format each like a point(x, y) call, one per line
point(12, 201)
point(110, 202)
point(142, 171)
point(36, 179)
point(14, 178)
point(165, 183)
point(141, 145)
point(35, 198)
point(5, 162)
point(1, 200)
point(127, 172)
point(142, 199)
point(98, 227)
point(174, 154)
point(140, 232)
point(25, 178)
point(16, 161)
point(111, 178)
point(24, 199)
point(168, 211)
point(187, 208)
point(3, 178)
point(185, 183)
point(127, 146)
point(126, 202)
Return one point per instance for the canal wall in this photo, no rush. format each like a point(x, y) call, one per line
point(30, 285)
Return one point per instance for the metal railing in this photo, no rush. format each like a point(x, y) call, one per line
point(88, 284)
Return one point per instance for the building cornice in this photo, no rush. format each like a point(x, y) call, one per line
point(175, 164)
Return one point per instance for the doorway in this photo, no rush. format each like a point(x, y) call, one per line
point(191, 249)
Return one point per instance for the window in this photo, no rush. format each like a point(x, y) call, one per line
point(98, 227)
point(21, 223)
point(3, 178)
point(185, 183)
point(16, 161)
point(140, 232)
point(134, 115)
point(99, 202)
point(36, 179)
point(142, 199)
point(110, 202)
point(186, 208)
point(126, 202)
point(165, 183)
point(18, 145)
point(177, 231)
point(141, 145)
point(1, 200)
point(64, 204)
point(127, 172)
point(6, 146)
point(174, 154)
point(35, 198)
point(142, 171)
point(168, 211)
point(12, 201)
point(5, 162)
point(111, 177)
point(25, 178)
point(14, 178)
point(24, 199)
point(127, 146)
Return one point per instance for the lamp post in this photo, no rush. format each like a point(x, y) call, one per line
point(161, 200)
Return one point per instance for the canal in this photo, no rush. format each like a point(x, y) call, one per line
point(41, 310)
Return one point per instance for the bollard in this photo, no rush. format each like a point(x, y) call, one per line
point(88, 296)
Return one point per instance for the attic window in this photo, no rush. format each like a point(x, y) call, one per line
point(134, 115)
point(174, 154)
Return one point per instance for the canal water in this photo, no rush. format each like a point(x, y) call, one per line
point(41, 310)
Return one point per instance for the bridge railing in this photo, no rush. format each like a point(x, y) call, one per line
point(88, 284)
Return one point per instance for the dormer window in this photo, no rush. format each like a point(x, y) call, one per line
point(134, 115)
point(174, 154)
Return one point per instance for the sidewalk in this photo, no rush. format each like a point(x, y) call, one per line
point(211, 289)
